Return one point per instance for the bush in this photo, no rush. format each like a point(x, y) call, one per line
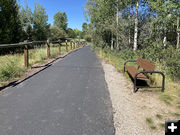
point(88, 38)
point(56, 33)
point(11, 68)
point(168, 58)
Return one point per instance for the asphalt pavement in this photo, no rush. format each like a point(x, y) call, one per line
point(70, 97)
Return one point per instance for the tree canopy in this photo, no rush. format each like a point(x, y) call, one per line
point(134, 24)
point(10, 29)
point(60, 20)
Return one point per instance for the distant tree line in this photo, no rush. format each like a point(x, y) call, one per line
point(18, 24)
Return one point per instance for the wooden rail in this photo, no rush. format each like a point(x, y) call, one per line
point(27, 45)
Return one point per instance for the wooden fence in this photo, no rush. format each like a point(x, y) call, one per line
point(27, 45)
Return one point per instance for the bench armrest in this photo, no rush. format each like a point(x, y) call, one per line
point(151, 72)
point(127, 62)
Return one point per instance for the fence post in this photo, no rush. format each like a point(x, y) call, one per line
point(48, 49)
point(59, 47)
point(66, 46)
point(26, 56)
point(71, 45)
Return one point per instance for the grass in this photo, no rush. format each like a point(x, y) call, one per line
point(166, 98)
point(150, 122)
point(159, 116)
point(171, 94)
point(178, 105)
point(177, 114)
point(162, 125)
point(12, 65)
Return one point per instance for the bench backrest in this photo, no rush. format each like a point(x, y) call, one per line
point(146, 65)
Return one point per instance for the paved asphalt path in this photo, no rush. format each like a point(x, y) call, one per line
point(68, 98)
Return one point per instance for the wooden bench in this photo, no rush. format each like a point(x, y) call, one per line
point(147, 68)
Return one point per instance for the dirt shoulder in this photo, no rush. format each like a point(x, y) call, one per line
point(134, 113)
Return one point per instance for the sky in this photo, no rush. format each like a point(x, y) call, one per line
point(72, 8)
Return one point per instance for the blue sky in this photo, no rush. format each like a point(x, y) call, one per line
point(73, 9)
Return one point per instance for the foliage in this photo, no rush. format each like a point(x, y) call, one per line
point(60, 20)
point(78, 33)
point(10, 28)
point(56, 33)
point(71, 33)
point(40, 26)
point(26, 18)
point(11, 68)
point(87, 38)
point(113, 28)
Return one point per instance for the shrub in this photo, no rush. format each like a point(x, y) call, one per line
point(11, 68)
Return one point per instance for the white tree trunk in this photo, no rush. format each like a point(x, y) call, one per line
point(112, 47)
point(129, 18)
point(178, 34)
point(117, 21)
point(165, 41)
point(136, 26)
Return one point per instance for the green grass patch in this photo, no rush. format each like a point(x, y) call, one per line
point(149, 120)
point(176, 114)
point(166, 98)
point(162, 125)
point(159, 116)
point(153, 127)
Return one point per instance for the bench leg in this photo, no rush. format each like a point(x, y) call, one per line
point(135, 88)
point(163, 82)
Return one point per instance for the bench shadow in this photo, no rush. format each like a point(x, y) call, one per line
point(139, 82)
point(143, 83)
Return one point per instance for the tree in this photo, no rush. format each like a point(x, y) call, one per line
point(40, 25)
point(165, 19)
point(118, 22)
point(60, 20)
point(84, 27)
point(10, 28)
point(56, 33)
point(102, 15)
point(26, 18)
point(78, 33)
point(136, 26)
point(178, 33)
point(71, 33)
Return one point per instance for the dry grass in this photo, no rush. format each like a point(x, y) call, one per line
point(12, 65)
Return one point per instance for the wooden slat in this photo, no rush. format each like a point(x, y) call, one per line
point(132, 71)
point(146, 65)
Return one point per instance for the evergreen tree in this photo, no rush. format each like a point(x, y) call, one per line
point(40, 25)
point(26, 18)
point(10, 28)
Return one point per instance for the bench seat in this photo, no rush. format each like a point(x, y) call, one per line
point(132, 71)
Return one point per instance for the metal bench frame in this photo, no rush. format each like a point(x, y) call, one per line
point(145, 73)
